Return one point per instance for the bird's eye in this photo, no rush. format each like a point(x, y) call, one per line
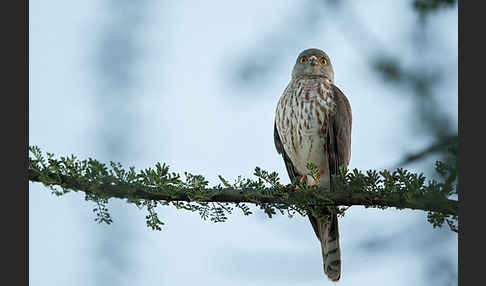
point(303, 59)
point(323, 61)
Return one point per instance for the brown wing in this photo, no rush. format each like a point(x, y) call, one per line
point(293, 175)
point(339, 138)
point(276, 139)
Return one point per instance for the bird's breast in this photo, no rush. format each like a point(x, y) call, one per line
point(304, 107)
point(302, 119)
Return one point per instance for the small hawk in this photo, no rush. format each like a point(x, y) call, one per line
point(313, 125)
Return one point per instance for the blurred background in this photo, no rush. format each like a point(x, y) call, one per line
point(195, 85)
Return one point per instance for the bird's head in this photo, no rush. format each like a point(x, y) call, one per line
point(313, 62)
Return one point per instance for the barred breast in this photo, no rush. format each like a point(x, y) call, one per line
point(302, 118)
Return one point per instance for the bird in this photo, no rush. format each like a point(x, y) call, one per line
point(313, 125)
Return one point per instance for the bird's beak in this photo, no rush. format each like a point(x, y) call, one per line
point(313, 60)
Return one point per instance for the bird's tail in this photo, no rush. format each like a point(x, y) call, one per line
point(328, 233)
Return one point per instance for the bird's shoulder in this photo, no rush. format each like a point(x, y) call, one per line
point(340, 99)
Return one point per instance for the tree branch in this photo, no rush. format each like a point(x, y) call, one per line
point(149, 187)
point(439, 146)
point(347, 197)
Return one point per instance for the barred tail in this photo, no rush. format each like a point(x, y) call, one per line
point(328, 234)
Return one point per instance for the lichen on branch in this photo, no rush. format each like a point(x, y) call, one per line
point(156, 186)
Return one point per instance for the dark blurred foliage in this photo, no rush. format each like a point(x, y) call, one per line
point(419, 83)
point(434, 122)
point(429, 120)
point(114, 64)
point(426, 7)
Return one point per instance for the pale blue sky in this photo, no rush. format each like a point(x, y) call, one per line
point(157, 81)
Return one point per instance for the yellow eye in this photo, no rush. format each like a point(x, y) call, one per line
point(303, 60)
point(323, 61)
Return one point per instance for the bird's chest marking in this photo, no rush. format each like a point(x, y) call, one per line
point(302, 116)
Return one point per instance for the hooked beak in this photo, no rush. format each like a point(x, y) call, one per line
point(313, 60)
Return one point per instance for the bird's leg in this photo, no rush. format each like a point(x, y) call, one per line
point(303, 179)
point(316, 180)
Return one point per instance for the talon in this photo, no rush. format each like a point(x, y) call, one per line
point(315, 182)
point(280, 186)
